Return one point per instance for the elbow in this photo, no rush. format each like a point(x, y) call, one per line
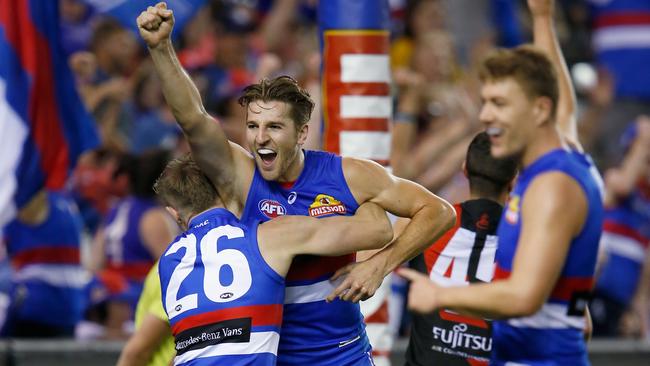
point(523, 305)
point(446, 214)
point(383, 233)
point(191, 121)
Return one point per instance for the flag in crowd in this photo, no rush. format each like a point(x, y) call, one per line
point(44, 126)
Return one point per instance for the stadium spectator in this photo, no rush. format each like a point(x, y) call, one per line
point(621, 286)
point(43, 244)
point(135, 233)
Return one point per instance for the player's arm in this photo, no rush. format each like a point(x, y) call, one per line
point(146, 339)
point(430, 217)
point(223, 162)
point(545, 37)
point(284, 237)
point(548, 225)
point(621, 181)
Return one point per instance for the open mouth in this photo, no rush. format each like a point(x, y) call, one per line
point(267, 155)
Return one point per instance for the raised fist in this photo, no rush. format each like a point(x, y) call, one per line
point(156, 24)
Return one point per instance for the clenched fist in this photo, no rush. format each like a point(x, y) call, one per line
point(156, 24)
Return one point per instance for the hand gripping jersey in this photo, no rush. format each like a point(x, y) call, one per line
point(223, 301)
point(47, 270)
point(464, 255)
point(553, 335)
point(125, 251)
point(625, 240)
point(314, 332)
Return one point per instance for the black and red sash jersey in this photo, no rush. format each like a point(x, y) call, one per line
point(465, 254)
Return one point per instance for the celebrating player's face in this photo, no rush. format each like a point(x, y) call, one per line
point(506, 114)
point(273, 139)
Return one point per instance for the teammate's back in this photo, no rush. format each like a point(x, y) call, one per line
point(236, 319)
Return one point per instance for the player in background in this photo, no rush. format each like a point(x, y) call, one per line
point(43, 245)
point(549, 232)
point(623, 282)
point(280, 178)
point(464, 255)
point(222, 280)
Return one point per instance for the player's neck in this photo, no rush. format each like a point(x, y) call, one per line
point(193, 215)
point(546, 140)
point(294, 170)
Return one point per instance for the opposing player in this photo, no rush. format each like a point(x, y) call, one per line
point(549, 233)
point(222, 280)
point(280, 178)
point(462, 256)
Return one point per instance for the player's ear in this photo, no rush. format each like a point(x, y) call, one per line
point(542, 108)
point(172, 211)
point(302, 134)
point(464, 169)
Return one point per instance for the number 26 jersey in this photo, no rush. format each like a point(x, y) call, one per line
point(223, 301)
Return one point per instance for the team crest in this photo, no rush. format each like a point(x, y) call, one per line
point(271, 208)
point(325, 205)
point(512, 214)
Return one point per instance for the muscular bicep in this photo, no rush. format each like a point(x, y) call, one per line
point(549, 223)
point(369, 181)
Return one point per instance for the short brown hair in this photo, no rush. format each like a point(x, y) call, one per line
point(282, 89)
point(183, 186)
point(529, 66)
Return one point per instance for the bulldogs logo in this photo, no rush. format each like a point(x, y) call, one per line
point(512, 214)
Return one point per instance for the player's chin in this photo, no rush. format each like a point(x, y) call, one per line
point(270, 175)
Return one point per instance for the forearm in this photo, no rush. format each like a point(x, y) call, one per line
point(545, 38)
point(634, 166)
point(495, 300)
point(179, 90)
point(404, 132)
point(133, 357)
point(426, 226)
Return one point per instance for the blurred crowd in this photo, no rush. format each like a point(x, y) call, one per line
point(117, 230)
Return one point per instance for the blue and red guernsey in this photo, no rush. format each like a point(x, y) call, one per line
point(314, 332)
point(625, 240)
point(553, 335)
point(223, 301)
point(125, 251)
point(46, 263)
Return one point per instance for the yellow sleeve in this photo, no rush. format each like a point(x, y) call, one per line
point(151, 298)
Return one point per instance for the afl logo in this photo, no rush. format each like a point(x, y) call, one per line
point(226, 295)
point(271, 208)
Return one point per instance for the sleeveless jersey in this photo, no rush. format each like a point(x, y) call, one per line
point(553, 335)
point(625, 240)
point(125, 251)
point(223, 301)
point(47, 268)
point(314, 332)
point(464, 255)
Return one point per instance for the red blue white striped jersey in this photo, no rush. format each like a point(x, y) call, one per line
point(223, 301)
point(125, 251)
point(46, 263)
point(553, 335)
point(625, 241)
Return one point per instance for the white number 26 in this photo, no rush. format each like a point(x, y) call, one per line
point(213, 260)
